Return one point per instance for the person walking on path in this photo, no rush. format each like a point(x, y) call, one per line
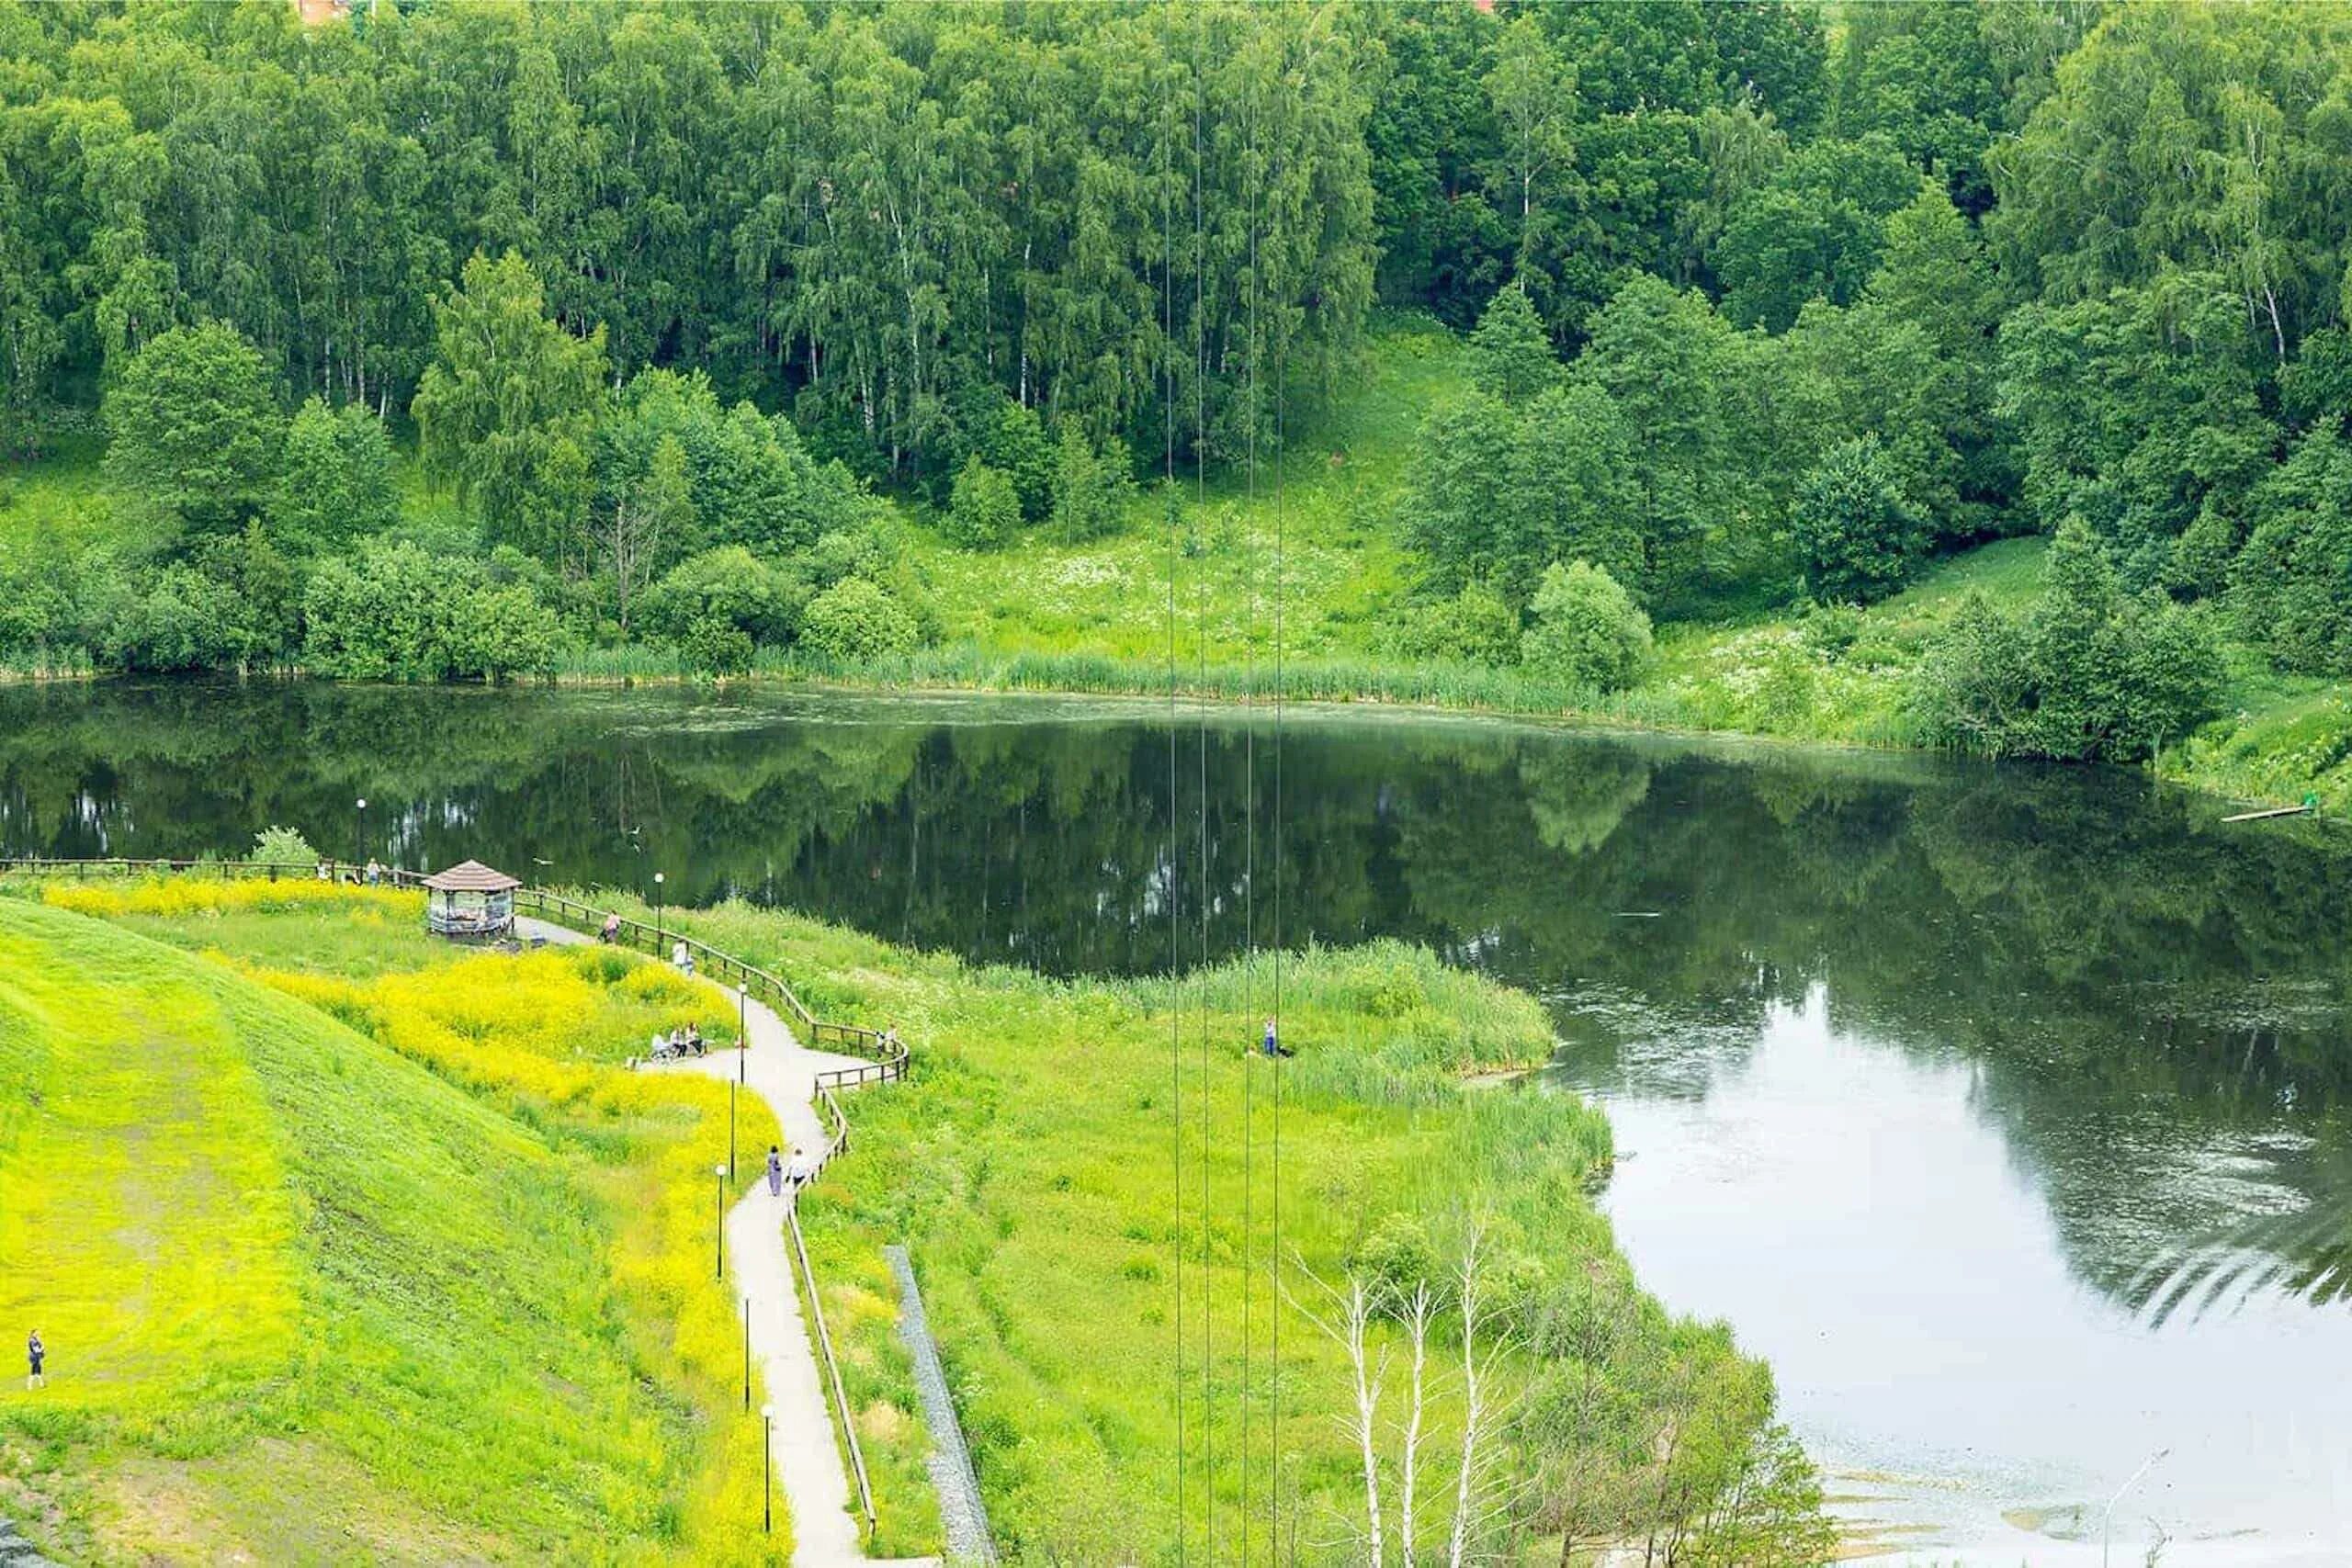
point(802, 1171)
point(775, 1173)
point(36, 1353)
point(681, 958)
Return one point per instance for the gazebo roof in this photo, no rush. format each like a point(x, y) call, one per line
point(471, 876)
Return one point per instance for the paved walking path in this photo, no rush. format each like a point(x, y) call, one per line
point(810, 1471)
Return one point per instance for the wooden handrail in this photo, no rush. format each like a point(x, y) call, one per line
point(833, 1370)
point(342, 872)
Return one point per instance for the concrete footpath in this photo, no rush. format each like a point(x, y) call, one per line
point(809, 1466)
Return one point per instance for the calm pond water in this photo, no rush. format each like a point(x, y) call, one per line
point(2005, 1111)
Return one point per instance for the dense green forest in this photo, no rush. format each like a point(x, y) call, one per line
point(452, 339)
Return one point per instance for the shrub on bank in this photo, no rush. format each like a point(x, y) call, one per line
point(728, 585)
point(856, 620)
point(401, 612)
point(985, 510)
point(1586, 629)
point(2089, 673)
point(1475, 626)
point(282, 846)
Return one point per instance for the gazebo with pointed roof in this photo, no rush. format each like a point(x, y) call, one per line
point(470, 899)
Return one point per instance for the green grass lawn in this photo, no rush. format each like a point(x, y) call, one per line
point(345, 1258)
point(1031, 1165)
point(63, 495)
point(1327, 502)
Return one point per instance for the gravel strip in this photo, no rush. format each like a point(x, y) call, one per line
point(961, 1513)
point(15, 1551)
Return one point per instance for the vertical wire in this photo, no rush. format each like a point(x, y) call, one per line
point(1274, 1258)
point(1249, 843)
point(1200, 473)
point(1175, 881)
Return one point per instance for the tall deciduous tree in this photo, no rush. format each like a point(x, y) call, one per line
point(195, 427)
point(505, 406)
point(1667, 362)
point(2189, 138)
point(1534, 92)
point(1859, 535)
point(648, 524)
point(2138, 412)
point(1510, 357)
point(334, 483)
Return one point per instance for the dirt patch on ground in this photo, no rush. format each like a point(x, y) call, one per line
point(882, 1422)
point(272, 1501)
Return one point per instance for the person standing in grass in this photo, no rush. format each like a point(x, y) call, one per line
point(775, 1173)
point(36, 1353)
point(1273, 1046)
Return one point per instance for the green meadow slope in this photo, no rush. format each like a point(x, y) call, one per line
point(351, 1247)
point(1045, 612)
point(306, 1299)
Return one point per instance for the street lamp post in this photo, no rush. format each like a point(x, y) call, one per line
point(747, 1354)
point(657, 914)
point(730, 1132)
point(767, 1490)
point(742, 1025)
point(719, 1231)
point(359, 833)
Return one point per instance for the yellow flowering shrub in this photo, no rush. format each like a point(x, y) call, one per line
point(542, 1034)
point(192, 894)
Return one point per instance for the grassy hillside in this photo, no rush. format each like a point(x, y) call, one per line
point(1046, 614)
point(307, 1297)
point(457, 1327)
point(1328, 504)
